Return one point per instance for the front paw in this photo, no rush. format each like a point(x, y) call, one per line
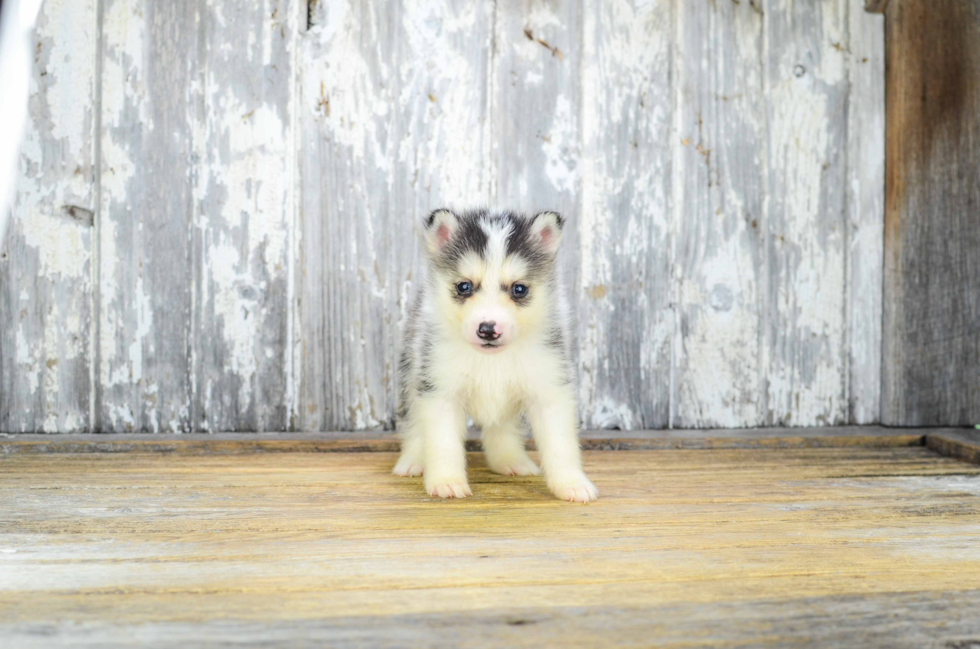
point(448, 487)
point(574, 489)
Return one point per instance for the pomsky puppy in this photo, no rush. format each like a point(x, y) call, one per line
point(486, 338)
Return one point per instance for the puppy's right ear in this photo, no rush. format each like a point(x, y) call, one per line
point(440, 227)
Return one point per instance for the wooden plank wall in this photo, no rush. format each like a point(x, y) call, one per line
point(48, 256)
point(197, 215)
point(932, 224)
point(250, 177)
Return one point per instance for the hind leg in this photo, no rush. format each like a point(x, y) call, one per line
point(503, 445)
point(412, 460)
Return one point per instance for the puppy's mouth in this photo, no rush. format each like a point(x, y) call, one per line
point(489, 347)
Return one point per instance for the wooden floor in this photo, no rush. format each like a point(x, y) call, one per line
point(765, 547)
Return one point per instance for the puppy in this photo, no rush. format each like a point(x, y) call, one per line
point(486, 338)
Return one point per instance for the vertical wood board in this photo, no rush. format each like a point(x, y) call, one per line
point(196, 215)
point(536, 141)
point(623, 294)
point(931, 346)
point(46, 259)
point(150, 53)
point(719, 266)
point(243, 170)
point(865, 209)
point(806, 235)
point(394, 104)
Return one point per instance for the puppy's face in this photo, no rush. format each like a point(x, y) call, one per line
point(493, 273)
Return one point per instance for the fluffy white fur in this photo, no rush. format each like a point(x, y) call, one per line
point(448, 372)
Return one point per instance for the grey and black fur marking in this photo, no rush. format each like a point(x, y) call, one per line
point(425, 361)
point(520, 244)
point(470, 237)
point(407, 358)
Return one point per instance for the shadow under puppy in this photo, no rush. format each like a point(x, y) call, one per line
point(486, 337)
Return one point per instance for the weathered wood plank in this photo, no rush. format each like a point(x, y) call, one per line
point(393, 113)
point(243, 169)
point(719, 377)
point(909, 620)
point(348, 88)
point(198, 170)
point(537, 70)
point(963, 444)
point(806, 234)
point(931, 346)
point(151, 53)
point(595, 440)
point(46, 259)
point(725, 548)
point(536, 158)
point(623, 222)
point(865, 213)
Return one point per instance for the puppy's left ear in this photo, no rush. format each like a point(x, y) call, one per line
point(440, 228)
point(546, 230)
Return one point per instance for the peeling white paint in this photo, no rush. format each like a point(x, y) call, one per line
point(144, 321)
point(69, 32)
point(806, 380)
point(624, 222)
point(606, 413)
point(254, 177)
point(47, 284)
point(865, 204)
point(444, 138)
point(59, 244)
point(234, 309)
point(341, 92)
point(27, 362)
point(124, 29)
point(561, 147)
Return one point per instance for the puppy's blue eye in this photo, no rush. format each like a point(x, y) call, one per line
point(464, 288)
point(518, 290)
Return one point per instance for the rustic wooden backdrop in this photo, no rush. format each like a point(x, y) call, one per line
point(215, 225)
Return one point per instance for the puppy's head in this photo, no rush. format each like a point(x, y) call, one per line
point(493, 274)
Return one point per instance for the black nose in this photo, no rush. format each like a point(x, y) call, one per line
point(486, 332)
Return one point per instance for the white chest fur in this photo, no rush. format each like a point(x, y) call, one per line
point(491, 388)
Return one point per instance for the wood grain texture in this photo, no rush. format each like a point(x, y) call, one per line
point(349, 442)
point(46, 259)
point(196, 216)
point(931, 348)
point(393, 109)
point(806, 234)
point(890, 621)
point(536, 94)
point(719, 265)
point(151, 55)
point(865, 209)
point(730, 548)
point(539, 73)
point(963, 444)
point(623, 293)
point(244, 171)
